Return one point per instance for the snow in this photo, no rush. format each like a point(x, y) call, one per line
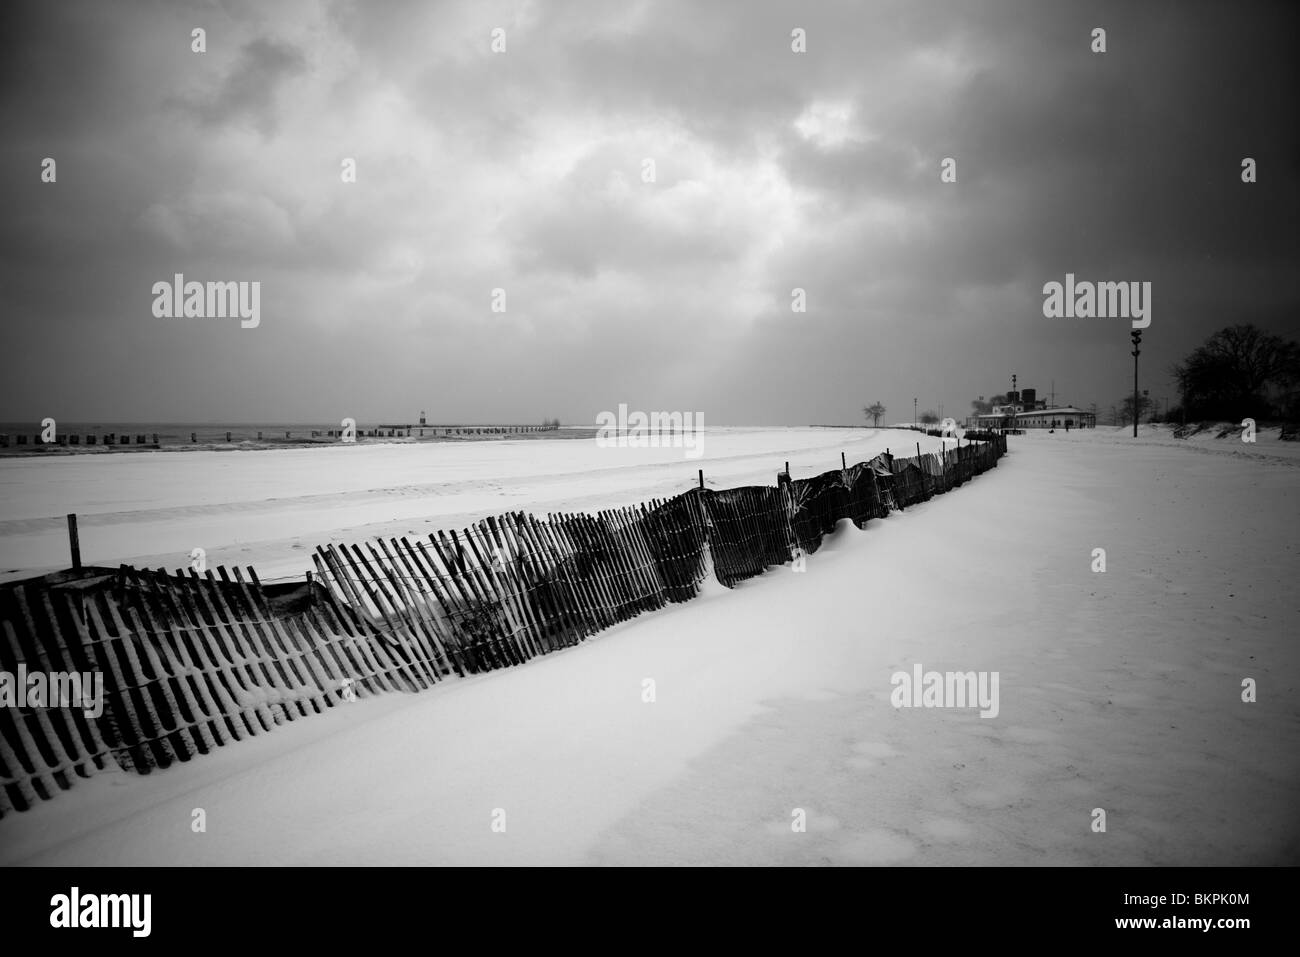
point(1119, 690)
point(270, 507)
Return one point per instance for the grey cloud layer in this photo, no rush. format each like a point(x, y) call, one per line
point(523, 171)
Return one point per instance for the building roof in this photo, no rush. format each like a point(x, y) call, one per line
point(1067, 408)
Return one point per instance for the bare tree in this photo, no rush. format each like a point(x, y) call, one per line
point(980, 407)
point(874, 412)
point(1240, 371)
point(929, 417)
point(1126, 408)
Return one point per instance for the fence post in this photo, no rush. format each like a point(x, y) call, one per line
point(701, 478)
point(74, 543)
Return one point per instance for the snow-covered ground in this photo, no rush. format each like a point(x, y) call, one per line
point(269, 508)
point(1118, 690)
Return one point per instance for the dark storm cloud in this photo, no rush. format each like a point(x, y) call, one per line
point(523, 171)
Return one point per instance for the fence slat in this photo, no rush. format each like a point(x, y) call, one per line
point(210, 682)
point(79, 726)
point(47, 777)
point(194, 691)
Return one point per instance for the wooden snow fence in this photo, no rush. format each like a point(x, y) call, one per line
point(515, 586)
point(188, 662)
point(192, 661)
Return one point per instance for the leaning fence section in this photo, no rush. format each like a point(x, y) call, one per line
point(189, 662)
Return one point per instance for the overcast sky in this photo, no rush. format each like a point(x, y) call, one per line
point(523, 170)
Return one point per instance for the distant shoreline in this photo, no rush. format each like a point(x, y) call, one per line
point(175, 437)
point(256, 445)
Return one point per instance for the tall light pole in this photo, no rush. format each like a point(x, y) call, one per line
point(915, 420)
point(1137, 349)
point(1012, 417)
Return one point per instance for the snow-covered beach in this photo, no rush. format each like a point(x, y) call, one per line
point(1120, 690)
point(269, 507)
